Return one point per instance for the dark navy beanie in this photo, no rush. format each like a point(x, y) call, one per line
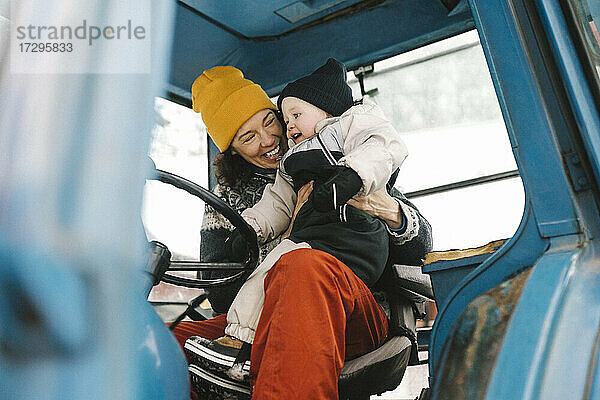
point(325, 88)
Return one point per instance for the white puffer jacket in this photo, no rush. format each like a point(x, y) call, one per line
point(369, 145)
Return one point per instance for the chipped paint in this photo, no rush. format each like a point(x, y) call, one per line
point(477, 335)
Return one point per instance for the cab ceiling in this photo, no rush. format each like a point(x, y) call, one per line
point(275, 41)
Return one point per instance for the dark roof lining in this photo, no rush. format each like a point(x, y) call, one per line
point(351, 9)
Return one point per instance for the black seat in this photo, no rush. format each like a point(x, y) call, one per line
point(375, 372)
point(402, 296)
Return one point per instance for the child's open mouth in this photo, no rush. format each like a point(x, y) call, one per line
point(295, 136)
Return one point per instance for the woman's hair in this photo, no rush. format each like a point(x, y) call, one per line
point(232, 168)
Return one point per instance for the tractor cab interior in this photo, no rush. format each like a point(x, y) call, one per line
point(497, 102)
point(444, 39)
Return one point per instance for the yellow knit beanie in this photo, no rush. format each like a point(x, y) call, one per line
point(226, 100)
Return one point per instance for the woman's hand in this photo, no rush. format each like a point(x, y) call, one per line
point(302, 198)
point(380, 204)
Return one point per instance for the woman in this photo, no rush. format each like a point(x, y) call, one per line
point(317, 312)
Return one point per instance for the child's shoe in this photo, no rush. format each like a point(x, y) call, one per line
point(209, 386)
point(217, 357)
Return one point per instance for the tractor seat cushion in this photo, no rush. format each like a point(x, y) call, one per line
point(375, 372)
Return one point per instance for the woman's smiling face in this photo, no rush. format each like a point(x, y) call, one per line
point(260, 140)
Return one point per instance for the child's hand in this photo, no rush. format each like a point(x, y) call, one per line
point(337, 190)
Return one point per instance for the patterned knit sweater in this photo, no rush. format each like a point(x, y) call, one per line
point(408, 248)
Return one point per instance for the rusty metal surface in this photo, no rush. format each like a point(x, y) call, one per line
point(469, 356)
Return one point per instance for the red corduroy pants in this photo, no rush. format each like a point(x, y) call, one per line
point(317, 313)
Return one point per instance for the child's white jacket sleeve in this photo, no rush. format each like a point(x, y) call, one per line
point(273, 212)
point(372, 147)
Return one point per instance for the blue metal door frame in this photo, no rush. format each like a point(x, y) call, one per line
point(74, 319)
point(555, 237)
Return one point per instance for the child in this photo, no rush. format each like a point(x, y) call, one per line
point(346, 150)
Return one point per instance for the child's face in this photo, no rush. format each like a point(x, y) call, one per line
point(301, 118)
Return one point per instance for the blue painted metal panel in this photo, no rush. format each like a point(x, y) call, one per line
point(556, 324)
point(446, 275)
point(559, 228)
point(525, 112)
point(470, 353)
point(594, 374)
point(522, 250)
point(198, 45)
point(584, 107)
point(547, 190)
point(355, 39)
point(553, 330)
point(74, 320)
point(266, 18)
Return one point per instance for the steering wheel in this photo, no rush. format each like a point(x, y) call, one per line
point(160, 255)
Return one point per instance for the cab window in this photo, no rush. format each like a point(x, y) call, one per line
point(170, 215)
point(460, 172)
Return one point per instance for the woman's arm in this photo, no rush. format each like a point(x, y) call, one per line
point(381, 205)
point(215, 230)
point(272, 213)
point(410, 232)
